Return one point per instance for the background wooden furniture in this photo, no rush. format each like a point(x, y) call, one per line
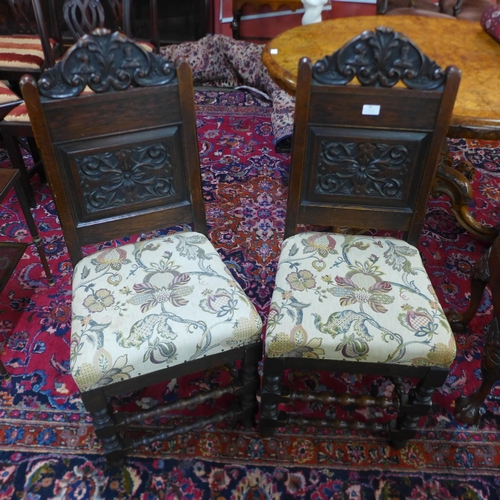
point(123, 161)
point(364, 156)
point(486, 273)
point(65, 21)
point(24, 29)
point(470, 10)
point(462, 43)
point(238, 5)
point(169, 21)
point(11, 252)
point(419, 6)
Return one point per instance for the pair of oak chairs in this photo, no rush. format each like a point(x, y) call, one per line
point(122, 159)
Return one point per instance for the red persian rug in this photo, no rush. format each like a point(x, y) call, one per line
point(47, 445)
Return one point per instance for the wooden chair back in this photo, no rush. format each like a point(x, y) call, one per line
point(154, 28)
point(123, 159)
point(28, 17)
point(71, 19)
point(365, 154)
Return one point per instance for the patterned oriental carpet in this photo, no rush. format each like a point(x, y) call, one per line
point(47, 445)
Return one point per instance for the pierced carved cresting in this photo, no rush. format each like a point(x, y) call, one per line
point(105, 61)
point(368, 169)
point(380, 59)
point(125, 177)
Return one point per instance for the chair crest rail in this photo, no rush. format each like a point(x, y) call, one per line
point(105, 61)
point(380, 58)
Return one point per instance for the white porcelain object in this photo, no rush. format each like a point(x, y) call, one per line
point(312, 10)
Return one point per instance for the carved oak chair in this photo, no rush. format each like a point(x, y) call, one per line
point(29, 49)
point(68, 19)
point(124, 160)
point(486, 273)
point(363, 156)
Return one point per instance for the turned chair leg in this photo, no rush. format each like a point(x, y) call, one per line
point(416, 405)
point(104, 425)
point(251, 381)
point(17, 160)
point(271, 396)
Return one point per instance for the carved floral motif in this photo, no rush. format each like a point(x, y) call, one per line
point(105, 61)
point(380, 59)
point(362, 169)
point(125, 177)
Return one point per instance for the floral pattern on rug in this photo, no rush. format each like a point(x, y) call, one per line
point(49, 449)
point(65, 477)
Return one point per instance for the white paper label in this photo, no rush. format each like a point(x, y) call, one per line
point(273, 51)
point(371, 109)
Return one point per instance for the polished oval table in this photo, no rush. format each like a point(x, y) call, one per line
point(449, 42)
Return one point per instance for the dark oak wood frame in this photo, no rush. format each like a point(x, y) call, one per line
point(327, 109)
point(155, 105)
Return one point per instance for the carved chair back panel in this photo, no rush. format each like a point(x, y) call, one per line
point(367, 158)
point(123, 159)
point(134, 174)
point(347, 167)
point(123, 167)
point(365, 154)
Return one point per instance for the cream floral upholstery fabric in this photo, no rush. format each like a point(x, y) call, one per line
point(146, 306)
point(356, 298)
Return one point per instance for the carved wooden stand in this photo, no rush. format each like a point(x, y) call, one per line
point(487, 270)
point(455, 182)
point(468, 407)
point(293, 5)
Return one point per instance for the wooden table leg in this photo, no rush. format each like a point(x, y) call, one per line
point(455, 182)
point(480, 277)
point(235, 23)
point(37, 240)
point(467, 407)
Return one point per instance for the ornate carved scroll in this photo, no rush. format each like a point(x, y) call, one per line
point(126, 177)
point(105, 61)
point(380, 59)
point(366, 169)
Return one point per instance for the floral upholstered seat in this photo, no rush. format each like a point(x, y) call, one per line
point(356, 298)
point(364, 155)
point(123, 160)
point(133, 309)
